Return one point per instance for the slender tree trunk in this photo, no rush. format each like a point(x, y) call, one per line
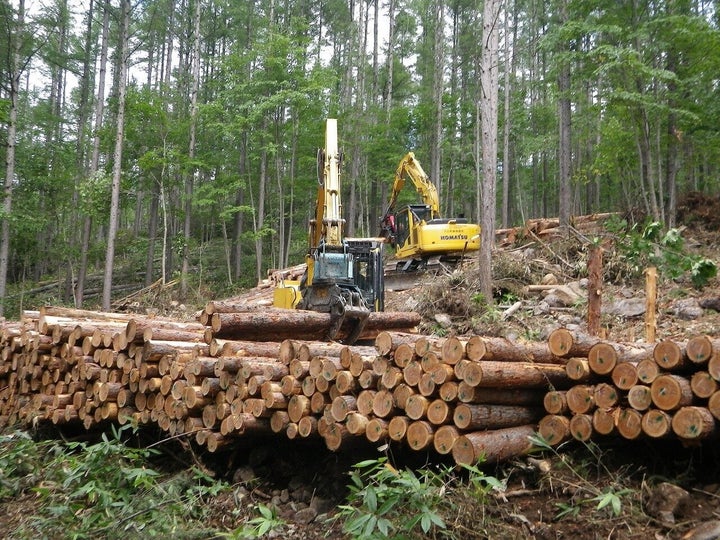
point(81, 154)
point(190, 176)
point(279, 176)
point(437, 94)
point(260, 215)
point(489, 106)
point(117, 159)
point(564, 143)
point(239, 216)
point(506, 129)
point(152, 231)
point(95, 156)
point(14, 76)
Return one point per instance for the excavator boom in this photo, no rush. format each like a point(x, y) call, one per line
point(344, 276)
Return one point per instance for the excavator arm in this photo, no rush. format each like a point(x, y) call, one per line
point(417, 231)
point(332, 282)
point(410, 167)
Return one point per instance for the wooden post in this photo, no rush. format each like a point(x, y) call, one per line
point(650, 303)
point(594, 290)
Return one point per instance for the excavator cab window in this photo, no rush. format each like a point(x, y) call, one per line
point(402, 227)
point(331, 266)
point(421, 212)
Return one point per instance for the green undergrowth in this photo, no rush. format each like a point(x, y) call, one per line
point(117, 487)
point(105, 489)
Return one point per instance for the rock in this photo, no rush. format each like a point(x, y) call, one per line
point(710, 303)
point(566, 319)
point(244, 475)
point(552, 300)
point(302, 494)
point(710, 530)
point(565, 295)
point(542, 308)
point(443, 319)
point(627, 308)
point(627, 293)
point(687, 309)
point(578, 288)
point(306, 515)
point(666, 502)
point(322, 505)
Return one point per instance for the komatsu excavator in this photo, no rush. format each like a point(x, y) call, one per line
point(418, 233)
point(343, 276)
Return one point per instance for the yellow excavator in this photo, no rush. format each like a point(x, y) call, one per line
point(418, 233)
point(343, 276)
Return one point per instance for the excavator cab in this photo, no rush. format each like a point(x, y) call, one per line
point(347, 282)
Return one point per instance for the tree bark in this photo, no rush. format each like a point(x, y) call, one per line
point(493, 446)
point(277, 325)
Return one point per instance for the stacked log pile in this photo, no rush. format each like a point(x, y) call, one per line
point(203, 380)
point(214, 381)
point(668, 389)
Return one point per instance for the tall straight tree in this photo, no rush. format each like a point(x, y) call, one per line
point(83, 115)
point(564, 148)
point(117, 155)
point(489, 82)
point(190, 174)
point(14, 34)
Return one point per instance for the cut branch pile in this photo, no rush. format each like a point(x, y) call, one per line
point(549, 228)
point(460, 397)
point(669, 389)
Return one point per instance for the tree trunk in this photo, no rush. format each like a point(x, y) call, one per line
point(564, 143)
point(494, 445)
point(277, 325)
point(190, 175)
point(117, 158)
point(14, 90)
point(489, 108)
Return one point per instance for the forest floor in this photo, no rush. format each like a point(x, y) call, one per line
point(608, 489)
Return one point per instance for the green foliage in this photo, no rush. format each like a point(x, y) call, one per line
point(267, 521)
point(20, 460)
point(648, 245)
point(481, 484)
point(103, 489)
point(388, 503)
point(611, 499)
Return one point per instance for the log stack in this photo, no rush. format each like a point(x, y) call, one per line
point(465, 398)
point(668, 389)
point(216, 381)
